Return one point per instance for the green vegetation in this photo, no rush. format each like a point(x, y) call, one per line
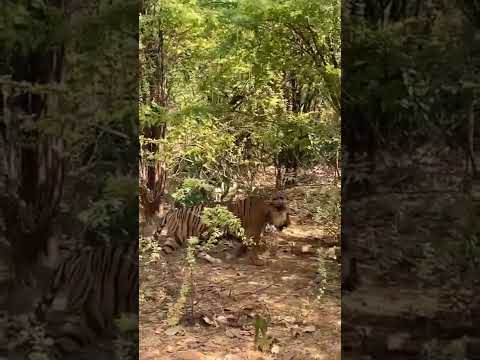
point(60, 88)
point(193, 192)
point(220, 222)
point(412, 112)
point(236, 96)
point(410, 164)
point(228, 88)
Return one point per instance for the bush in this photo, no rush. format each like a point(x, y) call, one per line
point(193, 192)
point(115, 214)
point(328, 214)
point(221, 221)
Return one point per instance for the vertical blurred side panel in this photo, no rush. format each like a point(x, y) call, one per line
point(69, 178)
point(410, 184)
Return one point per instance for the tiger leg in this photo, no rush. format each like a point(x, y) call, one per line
point(169, 246)
point(239, 250)
point(242, 250)
point(255, 250)
point(253, 257)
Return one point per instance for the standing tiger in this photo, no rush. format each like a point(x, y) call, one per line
point(87, 291)
point(254, 213)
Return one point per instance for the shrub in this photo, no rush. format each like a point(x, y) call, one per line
point(193, 192)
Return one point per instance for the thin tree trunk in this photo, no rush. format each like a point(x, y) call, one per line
point(278, 175)
point(471, 138)
point(33, 173)
point(153, 174)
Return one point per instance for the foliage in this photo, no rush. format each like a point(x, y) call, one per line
point(27, 333)
point(221, 222)
point(401, 71)
point(114, 214)
point(328, 209)
point(236, 87)
point(176, 311)
point(457, 259)
point(322, 275)
point(211, 154)
point(126, 340)
point(257, 83)
point(193, 192)
point(149, 251)
point(88, 110)
point(263, 340)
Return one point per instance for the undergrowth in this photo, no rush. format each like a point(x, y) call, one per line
point(220, 222)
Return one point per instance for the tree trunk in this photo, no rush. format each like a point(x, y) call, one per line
point(471, 137)
point(33, 169)
point(278, 175)
point(153, 173)
point(152, 187)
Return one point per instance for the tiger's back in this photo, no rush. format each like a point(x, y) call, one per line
point(254, 213)
point(89, 290)
point(180, 225)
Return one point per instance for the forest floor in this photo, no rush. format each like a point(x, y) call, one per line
point(219, 324)
point(408, 304)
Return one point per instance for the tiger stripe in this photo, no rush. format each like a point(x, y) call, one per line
point(254, 213)
point(182, 224)
point(88, 291)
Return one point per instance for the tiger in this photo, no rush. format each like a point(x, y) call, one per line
point(255, 213)
point(88, 290)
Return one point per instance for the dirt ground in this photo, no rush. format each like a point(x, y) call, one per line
point(226, 297)
point(409, 303)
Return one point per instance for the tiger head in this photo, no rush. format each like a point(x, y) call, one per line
point(277, 211)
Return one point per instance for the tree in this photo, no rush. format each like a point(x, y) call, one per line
point(32, 158)
point(164, 27)
point(67, 126)
point(241, 79)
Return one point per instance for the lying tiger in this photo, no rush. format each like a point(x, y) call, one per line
point(254, 213)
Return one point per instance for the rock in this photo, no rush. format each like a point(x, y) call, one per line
point(234, 333)
point(309, 329)
point(208, 321)
point(173, 331)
